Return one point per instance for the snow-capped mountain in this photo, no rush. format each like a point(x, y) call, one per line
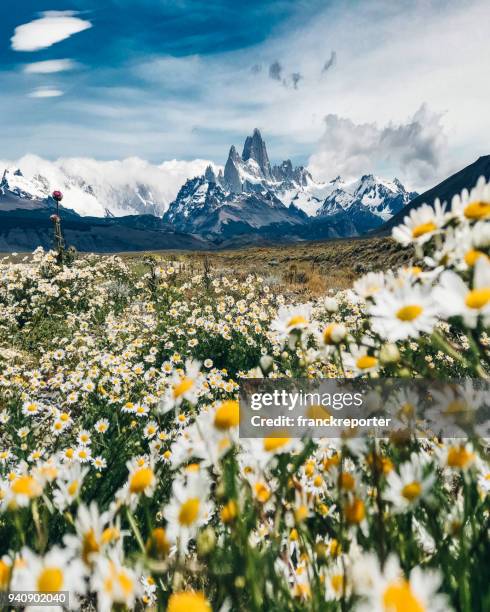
point(252, 193)
point(380, 197)
point(248, 195)
point(204, 207)
point(100, 188)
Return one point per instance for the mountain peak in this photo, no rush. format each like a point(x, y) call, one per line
point(254, 148)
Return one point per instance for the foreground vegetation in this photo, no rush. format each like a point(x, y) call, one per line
point(122, 476)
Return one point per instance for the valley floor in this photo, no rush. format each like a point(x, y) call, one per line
point(310, 268)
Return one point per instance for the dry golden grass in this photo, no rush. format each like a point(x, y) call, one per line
point(312, 268)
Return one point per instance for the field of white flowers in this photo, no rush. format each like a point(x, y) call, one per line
point(122, 476)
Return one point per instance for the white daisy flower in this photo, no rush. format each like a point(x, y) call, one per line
point(291, 319)
point(402, 314)
point(406, 489)
point(457, 299)
point(53, 572)
point(420, 224)
point(473, 205)
point(387, 589)
point(187, 510)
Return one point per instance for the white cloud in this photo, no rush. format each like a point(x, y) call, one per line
point(46, 92)
point(49, 66)
point(51, 28)
point(415, 149)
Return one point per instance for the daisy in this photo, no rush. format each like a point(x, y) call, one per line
point(69, 484)
point(185, 386)
point(141, 479)
point(187, 510)
point(115, 584)
point(457, 299)
point(93, 534)
point(291, 319)
point(53, 572)
point(23, 488)
point(387, 589)
point(402, 314)
point(473, 205)
point(369, 285)
point(101, 426)
point(31, 408)
point(360, 360)
point(420, 224)
point(407, 488)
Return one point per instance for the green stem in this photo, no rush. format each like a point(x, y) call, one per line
point(135, 530)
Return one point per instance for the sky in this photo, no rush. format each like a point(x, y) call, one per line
point(394, 87)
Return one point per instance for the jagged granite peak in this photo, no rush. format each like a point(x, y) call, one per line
point(210, 175)
point(254, 148)
point(232, 174)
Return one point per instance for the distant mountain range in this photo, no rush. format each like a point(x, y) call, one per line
point(253, 198)
point(247, 201)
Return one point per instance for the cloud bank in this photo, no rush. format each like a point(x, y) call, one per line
point(49, 66)
point(51, 28)
point(417, 147)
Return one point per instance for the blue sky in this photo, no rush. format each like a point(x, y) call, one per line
point(346, 87)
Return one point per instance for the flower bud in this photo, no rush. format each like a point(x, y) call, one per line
point(334, 333)
point(206, 541)
point(389, 353)
point(331, 304)
point(266, 363)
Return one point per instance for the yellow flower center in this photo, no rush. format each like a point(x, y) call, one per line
point(229, 512)
point(355, 511)
point(111, 534)
point(126, 583)
point(477, 210)
point(459, 457)
point(50, 579)
point(337, 582)
point(73, 488)
point(89, 545)
point(346, 481)
point(297, 321)
point(472, 256)
point(478, 298)
point(412, 491)
point(327, 333)
point(4, 575)
point(182, 387)
point(188, 602)
point(25, 485)
point(159, 541)
point(273, 444)
point(262, 492)
point(398, 597)
point(227, 415)
point(409, 312)
point(366, 361)
point(424, 228)
point(189, 511)
point(141, 480)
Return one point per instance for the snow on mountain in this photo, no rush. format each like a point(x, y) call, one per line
point(378, 196)
point(101, 188)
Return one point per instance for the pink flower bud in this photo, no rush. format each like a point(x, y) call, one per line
point(57, 195)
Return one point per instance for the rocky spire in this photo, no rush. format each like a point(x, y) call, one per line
point(255, 148)
point(232, 174)
point(210, 175)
